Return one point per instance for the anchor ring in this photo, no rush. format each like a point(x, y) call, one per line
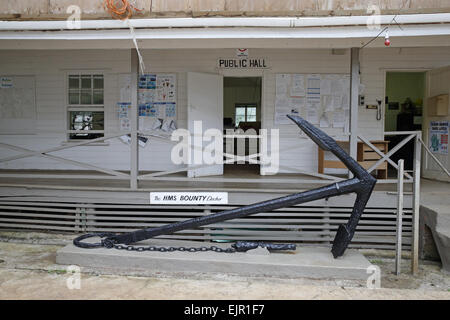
point(78, 241)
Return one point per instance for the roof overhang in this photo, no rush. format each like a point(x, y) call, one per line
point(329, 32)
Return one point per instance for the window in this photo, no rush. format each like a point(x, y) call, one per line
point(85, 106)
point(245, 113)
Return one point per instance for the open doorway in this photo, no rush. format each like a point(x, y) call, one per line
point(242, 114)
point(405, 94)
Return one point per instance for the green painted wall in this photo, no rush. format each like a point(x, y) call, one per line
point(399, 86)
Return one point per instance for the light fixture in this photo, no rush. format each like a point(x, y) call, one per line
point(387, 41)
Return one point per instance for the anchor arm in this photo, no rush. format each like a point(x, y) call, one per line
point(363, 189)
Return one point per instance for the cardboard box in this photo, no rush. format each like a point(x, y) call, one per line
point(438, 105)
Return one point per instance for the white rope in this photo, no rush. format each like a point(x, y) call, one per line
point(133, 34)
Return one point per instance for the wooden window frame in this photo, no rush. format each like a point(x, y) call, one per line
point(246, 106)
point(83, 107)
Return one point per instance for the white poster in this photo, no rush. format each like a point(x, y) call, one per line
point(324, 123)
point(6, 83)
point(125, 124)
point(125, 87)
point(166, 87)
point(322, 99)
point(337, 85)
point(123, 110)
point(327, 103)
point(157, 100)
point(313, 115)
point(313, 84)
point(337, 101)
point(297, 91)
point(325, 85)
point(282, 109)
point(339, 119)
point(282, 83)
point(298, 86)
point(438, 137)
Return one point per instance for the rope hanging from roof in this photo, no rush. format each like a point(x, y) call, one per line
point(117, 11)
point(125, 12)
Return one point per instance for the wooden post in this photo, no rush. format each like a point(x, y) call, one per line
point(416, 204)
point(134, 121)
point(398, 245)
point(354, 102)
point(321, 160)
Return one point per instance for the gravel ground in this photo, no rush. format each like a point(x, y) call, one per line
point(28, 271)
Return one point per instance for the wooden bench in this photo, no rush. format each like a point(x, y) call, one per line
point(366, 158)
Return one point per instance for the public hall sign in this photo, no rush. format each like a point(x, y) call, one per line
point(242, 63)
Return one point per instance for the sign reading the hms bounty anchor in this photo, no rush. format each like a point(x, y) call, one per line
point(242, 63)
point(189, 198)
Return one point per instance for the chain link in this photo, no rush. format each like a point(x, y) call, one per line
point(172, 249)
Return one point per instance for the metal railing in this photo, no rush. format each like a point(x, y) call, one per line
point(399, 222)
point(162, 175)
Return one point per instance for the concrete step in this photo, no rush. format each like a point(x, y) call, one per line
point(437, 218)
point(305, 262)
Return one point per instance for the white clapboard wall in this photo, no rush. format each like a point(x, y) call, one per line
point(49, 68)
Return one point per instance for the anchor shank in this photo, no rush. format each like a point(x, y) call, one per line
point(265, 206)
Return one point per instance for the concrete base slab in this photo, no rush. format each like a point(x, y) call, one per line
point(437, 218)
point(305, 262)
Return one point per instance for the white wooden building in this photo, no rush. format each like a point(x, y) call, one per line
point(42, 63)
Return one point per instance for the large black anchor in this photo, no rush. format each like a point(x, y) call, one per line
point(362, 184)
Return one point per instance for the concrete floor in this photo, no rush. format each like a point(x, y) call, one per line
point(28, 271)
point(231, 173)
point(435, 195)
point(29, 285)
